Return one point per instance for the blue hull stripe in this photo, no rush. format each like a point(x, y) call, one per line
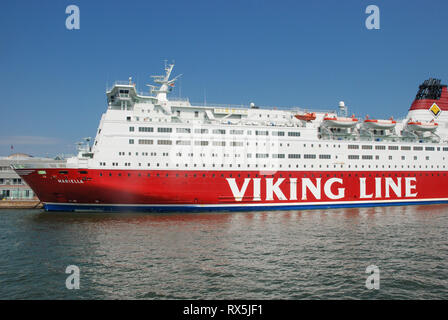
point(186, 208)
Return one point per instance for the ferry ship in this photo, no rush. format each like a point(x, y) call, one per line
point(152, 153)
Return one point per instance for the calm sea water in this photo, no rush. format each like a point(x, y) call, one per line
point(257, 255)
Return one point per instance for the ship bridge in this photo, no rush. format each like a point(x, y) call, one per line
point(123, 96)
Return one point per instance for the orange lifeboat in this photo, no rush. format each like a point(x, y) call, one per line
point(340, 122)
point(379, 123)
point(423, 126)
point(309, 116)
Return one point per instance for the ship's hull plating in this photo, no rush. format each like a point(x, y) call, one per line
point(176, 190)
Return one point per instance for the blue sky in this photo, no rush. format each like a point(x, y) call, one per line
point(274, 53)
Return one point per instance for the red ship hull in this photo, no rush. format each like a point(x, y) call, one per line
point(118, 190)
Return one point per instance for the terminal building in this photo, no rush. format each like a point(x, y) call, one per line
point(12, 187)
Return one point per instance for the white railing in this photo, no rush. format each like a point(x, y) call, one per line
point(39, 165)
point(284, 108)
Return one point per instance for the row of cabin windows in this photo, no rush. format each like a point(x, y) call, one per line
point(241, 144)
point(196, 143)
point(290, 175)
point(248, 155)
point(186, 165)
point(215, 131)
point(370, 157)
point(256, 175)
point(274, 133)
point(276, 156)
point(405, 148)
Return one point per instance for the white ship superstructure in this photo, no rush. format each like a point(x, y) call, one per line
point(149, 134)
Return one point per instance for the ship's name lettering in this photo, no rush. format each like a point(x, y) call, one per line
point(316, 189)
point(70, 181)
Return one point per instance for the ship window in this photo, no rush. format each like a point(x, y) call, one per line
point(429, 148)
point(261, 133)
point(236, 131)
point(393, 148)
point(145, 141)
point(380, 147)
point(196, 114)
point(309, 156)
point(164, 129)
point(278, 156)
point(63, 172)
point(353, 157)
point(146, 129)
point(164, 142)
point(367, 147)
point(262, 155)
point(405, 148)
point(83, 172)
point(131, 129)
point(201, 131)
point(131, 141)
point(219, 131)
point(324, 156)
point(201, 143)
point(367, 157)
point(293, 156)
point(353, 146)
point(418, 148)
point(183, 130)
point(128, 118)
point(278, 133)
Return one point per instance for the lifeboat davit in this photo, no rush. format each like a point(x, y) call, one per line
point(423, 126)
point(306, 116)
point(379, 123)
point(340, 122)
